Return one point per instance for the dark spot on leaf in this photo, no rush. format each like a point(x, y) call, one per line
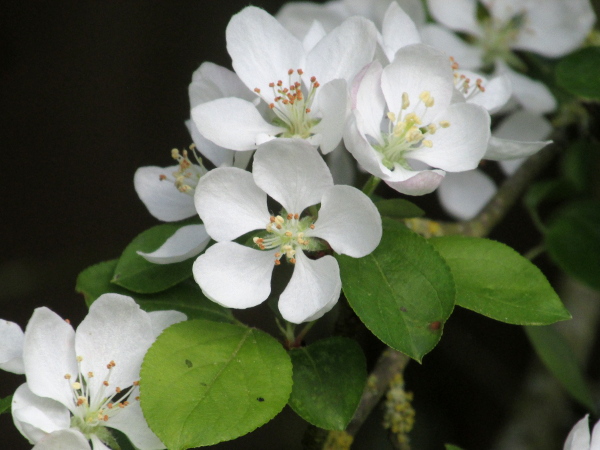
point(260, 399)
point(203, 384)
point(116, 277)
point(188, 363)
point(403, 309)
point(434, 326)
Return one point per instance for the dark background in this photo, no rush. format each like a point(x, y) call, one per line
point(92, 90)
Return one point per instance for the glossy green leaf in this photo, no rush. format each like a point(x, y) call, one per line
point(329, 378)
point(5, 404)
point(578, 73)
point(133, 272)
point(185, 297)
point(403, 291)
point(398, 208)
point(452, 447)
point(494, 280)
point(573, 241)
point(557, 355)
point(205, 382)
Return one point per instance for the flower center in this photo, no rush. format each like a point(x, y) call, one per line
point(94, 406)
point(464, 84)
point(186, 177)
point(498, 37)
point(406, 132)
point(292, 106)
point(288, 236)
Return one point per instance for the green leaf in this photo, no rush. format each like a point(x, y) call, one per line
point(558, 357)
point(133, 272)
point(403, 291)
point(543, 191)
point(205, 382)
point(329, 378)
point(452, 447)
point(579, 164)
point(5, 404)
point(494, 280)
point(398, 208)
point(573, 241)
point(578, 73)
point(185, 297)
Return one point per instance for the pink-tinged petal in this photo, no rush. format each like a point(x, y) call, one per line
point(343, 52)
point(464, 194)
point(579, 437)
point(233, 275)
point(163, 200)
point(230, 203)
point(416, 69)
point(211, 81)
point(48, 355)
point(164, 319)
point(188, 241)
point(334, 105)
point(130, 421)
point(217, 155)
point(36, 416)
point(369, 100)
point(232, 123)
point(342, 166)
point(532, 95)
point(11, 347)
point(69, 439)
point(398, 30)
point(357, 143)
point(348, 221)
point(462, 145)
point(466, 55)
point(261, 50)
point(458, 15)
point(423, 182)
point(313, 289)
point(315, 33)
point(104, 336)
point(292, 172)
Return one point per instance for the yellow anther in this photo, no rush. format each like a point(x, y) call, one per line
point(427, 143)
point(76, 385)
point(426, 98)
point(79, 358)
point(413, 118)
point(414, 135)
point(431, 128)
point(405, 100)
point(444, 124)
point(288, 233)
point(391, 116)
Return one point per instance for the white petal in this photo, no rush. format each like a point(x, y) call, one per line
point(164, 319)
point(48, 355)
point(161, 197)
point(233, 275)
point(315, 33)
point(313, 289)
point(458, 15)
point(104, 336)
point(232, 123)
point(423, 182)
point(334, 108)
point(97, 444)
point(217, 155)
point(369, 100)
point(69, 439)
point(579, 437)
point(348, 221)
point(357, 144)
point(464, 194)
point(343, 52)
point(460, 146)
point(131, 422)
point(298, 17)
point(11, 347)
point(497, 91)
point(510, 166)
point(508, 149)
point(418, 68)
point(532, 95)
point(36, 416)
point(230, 203)
point(292, 172)
point(261, 50)
point(595, 444)
point(188, 241)
point(524, 126)
point(342, 165)
point(398, 30)
point(211, 81)
point(466, 55)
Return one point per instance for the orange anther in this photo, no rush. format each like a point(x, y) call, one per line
point(257, 90)
point(300, 71)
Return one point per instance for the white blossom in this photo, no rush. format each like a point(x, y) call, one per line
point(579, 437)
point(11, 347)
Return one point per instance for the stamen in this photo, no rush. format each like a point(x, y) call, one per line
point(405, 100)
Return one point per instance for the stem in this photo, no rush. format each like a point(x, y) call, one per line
point(371, 185)
point(298, 340)
point(535, 252)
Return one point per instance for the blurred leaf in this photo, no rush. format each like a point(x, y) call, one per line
point(573, 241)
point(329, 378)
point(133, 272)
point(555, 190)
point(579, 164)
point(494, 280)
point(452, 447)
point(403, 291)
point(185, 297)
point(398, 208)
point(578, 73)
point(5, 404)
point(555, 353)
point(205, 382)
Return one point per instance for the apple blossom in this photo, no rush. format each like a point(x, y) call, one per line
point(11, 347)
point(233, 202)
point(579, 437)
point(79, 383)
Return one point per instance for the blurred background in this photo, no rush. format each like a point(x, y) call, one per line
point(91, 90)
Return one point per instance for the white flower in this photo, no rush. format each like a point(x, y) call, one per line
point(579, 437)
point(11, 347)
point(306, 91)
point(232, 202)
point(423, 122)
point(81, 382)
